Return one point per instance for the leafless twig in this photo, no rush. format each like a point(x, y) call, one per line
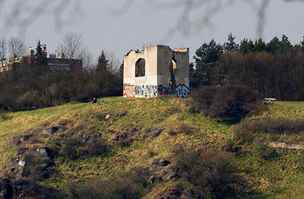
point(207, 10)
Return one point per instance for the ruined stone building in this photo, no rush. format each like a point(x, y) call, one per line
point(156, 71)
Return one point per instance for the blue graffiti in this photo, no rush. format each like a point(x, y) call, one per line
point(181, 90)
point(146, 91)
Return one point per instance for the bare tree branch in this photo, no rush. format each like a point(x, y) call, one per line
point(194, 14)
point(3, 51)
point(21, 14)
point(16, 47)
point(71, 46)
point(208, 9)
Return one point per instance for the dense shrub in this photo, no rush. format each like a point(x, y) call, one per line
point(181, 128)
point(30, 87)
point(3, 116)
point(131, 185)
point(247, 130)
point(274, 68)
point(232, 102)
point(79, 146)
point(24, 188)
point(204, 174)
point(277, 75)
point(37, 166)
point(212, 172)
point(267, 153)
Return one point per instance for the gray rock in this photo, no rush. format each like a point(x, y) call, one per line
point(121, 114)
point(55, 129)
point(19, 189)
point(37, 164)
point(18, 140)
point(125, 138)
point(181, 193)
point(154, 132)
point(42, 151)
point(21, 163)
point(170, 174)
point(107, 117)
point(6, 190)
point(161, 162)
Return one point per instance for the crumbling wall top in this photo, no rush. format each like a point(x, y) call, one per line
point(181, 50)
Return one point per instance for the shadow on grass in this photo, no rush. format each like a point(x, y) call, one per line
point(4, 117)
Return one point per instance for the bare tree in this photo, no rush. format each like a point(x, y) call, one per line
point(86, 57)
point(16, 47)
point(71, 46)
point(3, 51)
point(198, 14)
point(194, 14)
point(21, 14)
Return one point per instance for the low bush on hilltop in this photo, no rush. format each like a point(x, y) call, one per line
point(230, 102)
point(247, 129)
point(31, 87)
point(79, 146)
point(197, 174)
point(212, 172)
point(131, 185)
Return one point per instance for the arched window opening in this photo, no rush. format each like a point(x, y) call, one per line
point(140, 68)
point(172, 70)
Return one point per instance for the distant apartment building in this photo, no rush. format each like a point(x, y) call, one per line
point(64, 64)
point(7, 64)
point(58, 63)
point(4, 66)
point(54, 63)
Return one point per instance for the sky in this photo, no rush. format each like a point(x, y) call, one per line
point(103, 25)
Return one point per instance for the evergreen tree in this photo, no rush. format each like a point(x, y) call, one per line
point(274, 45)
point(41, 56)
point(205, 57)
point(302, 43)
point(246, 46)
point(279, 46)
point(285, 44)
point(259, 45)
point(208, 53)
point(103, 63)
point(231, 45)
point(39, 49)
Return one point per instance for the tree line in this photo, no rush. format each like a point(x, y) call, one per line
point(36, 85)
point(274, 68)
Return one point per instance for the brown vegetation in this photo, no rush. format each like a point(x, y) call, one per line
point(231, 102)
point(33, 86)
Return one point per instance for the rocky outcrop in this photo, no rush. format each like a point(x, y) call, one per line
point(125, 138)
point(153, 132)
point(21, 189)
point(180, 193)
point(162, 170)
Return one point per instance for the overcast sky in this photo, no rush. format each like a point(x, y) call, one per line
point(145, 24)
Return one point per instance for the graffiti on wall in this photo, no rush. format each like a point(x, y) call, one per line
point(146, 91)
point(128, 91)
point(181, 90)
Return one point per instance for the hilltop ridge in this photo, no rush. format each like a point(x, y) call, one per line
point(148, 143)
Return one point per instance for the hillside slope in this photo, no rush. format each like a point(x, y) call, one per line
point(142, 133)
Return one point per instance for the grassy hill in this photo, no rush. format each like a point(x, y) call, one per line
point(279, 176)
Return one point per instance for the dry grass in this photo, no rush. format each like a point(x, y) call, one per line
point(279, 178)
